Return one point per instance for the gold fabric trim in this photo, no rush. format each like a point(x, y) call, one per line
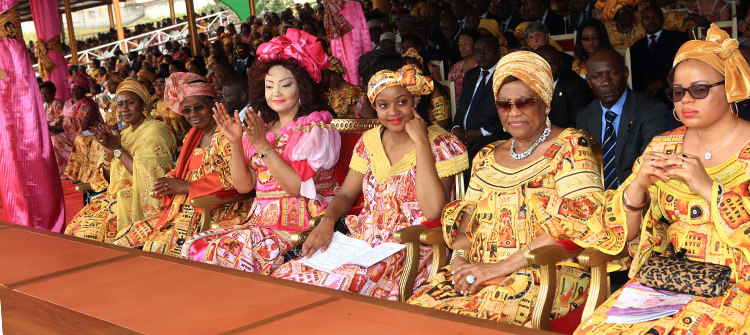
point(46, 66)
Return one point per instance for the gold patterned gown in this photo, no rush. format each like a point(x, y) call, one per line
point(504, 220)
point(625, 40)
point(128, 198)
point(716, 231)
point(343, 103)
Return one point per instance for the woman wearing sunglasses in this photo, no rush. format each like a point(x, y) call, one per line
point(523, 194)
point(202, 169)
point(289, 149)
point(689, 193)
point(590, 36)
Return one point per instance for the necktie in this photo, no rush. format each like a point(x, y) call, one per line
point(608, 148)
point(502, 27)
point(475, 101)
point(652, 43)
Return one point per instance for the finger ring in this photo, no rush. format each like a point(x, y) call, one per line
point(651, 162)
point(470, 279)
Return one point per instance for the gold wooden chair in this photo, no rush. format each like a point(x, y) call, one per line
point(207, 201)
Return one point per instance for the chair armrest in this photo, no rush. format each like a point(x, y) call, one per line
point(410, 237)
point(600, 290)
point(434, 238)
point(205, 202)
point(83, 187)
point(300, 236)
point(546, 258)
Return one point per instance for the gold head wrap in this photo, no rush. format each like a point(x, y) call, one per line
point(132, 85)
point(336, 65)
point(46, 66)
point(528, 67)
point(610, 7)
point(408, 76)
point(412, 53)
point(722, 53)
point(116, 77)
point(150, 76)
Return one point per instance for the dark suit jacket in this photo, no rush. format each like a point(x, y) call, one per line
point(642, 118)
point(575, 15)
point(555, 23)
point(515, 20)
point(648, 67)
point(486, 113)
point(571, 94)
point(240, 69)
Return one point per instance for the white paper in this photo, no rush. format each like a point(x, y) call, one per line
point(344, 250)
point(377, 254)
point(638, 303)
point(87, 133)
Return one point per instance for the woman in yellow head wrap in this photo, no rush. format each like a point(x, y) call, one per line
point(133, 160)
point(341, 95)
point(515, 186)
point(689, 193)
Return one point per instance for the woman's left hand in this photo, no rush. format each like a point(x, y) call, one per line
point(108, 138)
point(690, 168)
point(417, 128)
point(169, 186)
point(255, 130)
point(481, 272)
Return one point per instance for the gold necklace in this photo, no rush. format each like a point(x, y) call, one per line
point(708, 155)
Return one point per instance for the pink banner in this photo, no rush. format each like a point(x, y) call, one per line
point(46, 17)
point(29, 181)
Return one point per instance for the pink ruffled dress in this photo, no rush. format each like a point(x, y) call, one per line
point(311, 145)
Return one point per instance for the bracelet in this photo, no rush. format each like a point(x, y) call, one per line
point(526, 251)
point(458, 253)
point(265, 153)
point(629, 206)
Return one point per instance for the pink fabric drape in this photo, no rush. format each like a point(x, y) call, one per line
point(46, 17)
point(355, 43)
point(29, 182)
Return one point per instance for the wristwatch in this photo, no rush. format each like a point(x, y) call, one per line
point(117, 153)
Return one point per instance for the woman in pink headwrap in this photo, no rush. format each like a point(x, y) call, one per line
point(79, 113)
point(289, 148)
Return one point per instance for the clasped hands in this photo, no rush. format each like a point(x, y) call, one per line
point(109, 139)
point(659, 166)
point(484, 274)
point(232, 127)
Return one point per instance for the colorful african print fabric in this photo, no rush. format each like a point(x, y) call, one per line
point(504, 221)
point(54, 111)
point(439, 109)
point(85, 160)
point(579, 67)
point(390, 196)
point(343, 102)
point(456, 75)
point(259, 243)
point(708, 230)
point(76, 117)
point(625, 40)
point(176, 122)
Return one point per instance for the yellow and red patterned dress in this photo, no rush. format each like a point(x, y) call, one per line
point(709, 230)
point(390, 195)
point(508, 207)
point(344, 102)
point(54, 111)
point(311, 145)
point(77, 117)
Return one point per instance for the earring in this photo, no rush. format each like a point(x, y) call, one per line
point(736, 111)
point(505, 131)
point(674, 113)
point(548, 122)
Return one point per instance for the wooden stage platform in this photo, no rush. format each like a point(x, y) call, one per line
point(56, 284)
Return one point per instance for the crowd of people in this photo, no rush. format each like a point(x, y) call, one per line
point(252, 113)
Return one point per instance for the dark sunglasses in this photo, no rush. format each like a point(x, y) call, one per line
point(521, 105)
point(697, 91)
point(589, 38)
point(197, 108)
point(159, 83)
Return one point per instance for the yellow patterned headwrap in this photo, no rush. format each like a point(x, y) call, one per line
point(132, 85)
point(412, 53)
point(408, 76)
point(722, 53)
point(336, 65)
point(610, 7)
point(150, 76)
point(530, 68)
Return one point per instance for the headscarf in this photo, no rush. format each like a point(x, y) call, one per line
point(337, 66)
point(412, 53)
point(409, 76)
point(150, 76)
point(491, 25)
point(722, 53)
point(79, 79)
point(181, 85)
point(115, 77)
point(300, 46)
point(528, 67)
point(132, 85)
point(610, 7)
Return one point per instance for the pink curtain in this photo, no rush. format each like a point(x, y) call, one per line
point(355, 43)
point(29, 181)
point(46, 17)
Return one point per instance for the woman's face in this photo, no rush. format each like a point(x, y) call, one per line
point(466, 46)
point(590, 39)
point(159, 86)
point(704, 112)
point(197, 111)
point(78, 92)
point(395, 106)
point(130, 107)
point(530, 120)
point(192, 68)
point(282, 92)
point(47, 95)
point(111, 86)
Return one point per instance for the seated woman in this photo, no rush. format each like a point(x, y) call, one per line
point(688, 193)
point(162, 112)
point(590, 36)
point(404, 170)
point(140, 155)
point(202, 169)
point(53, 107)
point(290, 149)
point(434, 108)
point(341, 95)
point(500, 220)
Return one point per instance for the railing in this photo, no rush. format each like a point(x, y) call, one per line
point(177, 32)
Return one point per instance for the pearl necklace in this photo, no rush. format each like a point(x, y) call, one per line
point(527, 153)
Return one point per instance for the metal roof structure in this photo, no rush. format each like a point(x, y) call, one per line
point(75, 5)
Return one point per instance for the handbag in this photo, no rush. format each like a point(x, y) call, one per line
point(679, 274)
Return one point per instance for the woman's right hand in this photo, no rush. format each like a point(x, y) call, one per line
point(653, 168)
point(319, 238)
point(230, 126)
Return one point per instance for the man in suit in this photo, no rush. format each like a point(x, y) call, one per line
point(571, 92)
point(538, 11)
point(652, 55)
point(508, 22)
point(451, 29)
point(483, 10)
point(477, 122)
point(244, 59)
point(624, 121)
point(582, 10)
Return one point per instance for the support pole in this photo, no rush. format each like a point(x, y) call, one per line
point(111, 17)
point(192, 29)
point(381, 4)
point(71, 34)
point(171, 12)
point(252, 7)
point(118, 21)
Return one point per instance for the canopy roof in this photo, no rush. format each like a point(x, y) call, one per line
point(75, 5)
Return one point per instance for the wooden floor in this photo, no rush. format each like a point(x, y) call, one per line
point(57, 284)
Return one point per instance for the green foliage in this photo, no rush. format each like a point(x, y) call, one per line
point(272, 5)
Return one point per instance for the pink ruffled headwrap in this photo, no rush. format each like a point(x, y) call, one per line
point(300, 46)
point(181, 85)
point(79, 79)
